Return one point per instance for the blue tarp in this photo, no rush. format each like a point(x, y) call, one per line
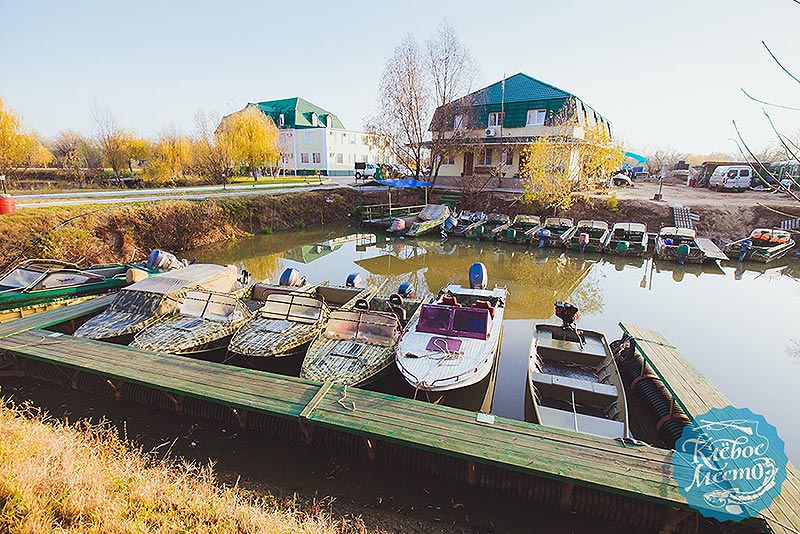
point(637, 157)
point(405, 183)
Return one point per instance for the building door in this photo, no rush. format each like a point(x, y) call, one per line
point(468, 163)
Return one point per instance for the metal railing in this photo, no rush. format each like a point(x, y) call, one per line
point(381, 211)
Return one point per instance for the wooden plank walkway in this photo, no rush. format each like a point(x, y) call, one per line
point(696, 395)
point(710, 248)
point(52, 317)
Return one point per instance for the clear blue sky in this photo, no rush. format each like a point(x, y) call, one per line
point(665, 72)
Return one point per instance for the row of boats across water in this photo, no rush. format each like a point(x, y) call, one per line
point(671, 243)
point(352, 334)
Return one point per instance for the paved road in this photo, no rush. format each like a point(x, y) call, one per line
point(150, 195)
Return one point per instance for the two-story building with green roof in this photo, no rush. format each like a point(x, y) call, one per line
point(313, 140)
point(485, 131)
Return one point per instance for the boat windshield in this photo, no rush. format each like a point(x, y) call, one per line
point(215, 307)
point(364, 327)
point(454, 321)
point(292, 307)
point(136, 302)
point(66, 278)
point(19, 278)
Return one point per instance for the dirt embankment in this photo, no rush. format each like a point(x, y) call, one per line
point(88, 234)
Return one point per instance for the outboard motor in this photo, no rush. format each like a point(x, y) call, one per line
point(291, 277)
point(544, 236)
point(244, 277)
point(478, 277)
point(354, 280)
point(450, 223)
point(406, 290)
point(163, 261)
point(398, 225)
point(568, 313)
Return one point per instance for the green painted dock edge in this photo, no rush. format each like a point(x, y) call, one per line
point(696, 395)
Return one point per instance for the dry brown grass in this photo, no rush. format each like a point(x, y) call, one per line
point(79, 478)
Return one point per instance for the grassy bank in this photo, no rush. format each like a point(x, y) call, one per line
point(95, 234)
point(81, 478)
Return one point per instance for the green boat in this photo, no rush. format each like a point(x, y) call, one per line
point(552, 232)
point(587, 236)
point(37, 285)
point(520, 230)
point(487, 230)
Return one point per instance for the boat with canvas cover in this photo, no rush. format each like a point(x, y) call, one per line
point(465, 222)
point(520, 230)
point(488, 229)
point(38, 285)
point(573, 380)
point(205, 322)
point(627, 239)
point(551, 233)
point(429, 219)
point(288, 322)
point(143, 303)
point(762, 245)
point(453, 343)
point(679, 245)
point(358, 345)
point(587, 236)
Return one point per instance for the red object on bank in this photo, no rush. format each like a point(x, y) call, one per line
point(7, 204)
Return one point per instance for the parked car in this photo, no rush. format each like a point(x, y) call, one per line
point(364, 170)
point(731, 177)
point(620, 179)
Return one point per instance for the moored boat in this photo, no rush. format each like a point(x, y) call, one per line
point(573, 380)
point(205, 322)
point(627, 239)
point(679, 245)
point(453, 343)
point(488, 228)
point(429, 219)
point(763, 245)
point(520, 230)
point(587, 236)
point(358, 345)
point(141, 304)
point(287, 322)
point(465, 222)
point(37, 285)
point(551, 232)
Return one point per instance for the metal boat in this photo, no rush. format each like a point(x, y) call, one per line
point(573, 380)
point(520, 230)
point(627, 239)
point(763, 245)
point(678, 245)
point(587, 236)
point(426, 221)
point(488, 228)
point(551, 232)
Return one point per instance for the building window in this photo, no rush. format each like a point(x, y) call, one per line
point(281, 120)
point(459, 123)
point(536, 117)
point(364, 158)
point(309, 137)
point(485, 157)
point(339, 158)
point(314, 119)
point(449, 159)
point(316, 157)
point(507, 156)
point(303, 157)
point(351, 158)
point(496, 119)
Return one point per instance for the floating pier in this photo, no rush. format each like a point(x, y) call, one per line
point(628, 485)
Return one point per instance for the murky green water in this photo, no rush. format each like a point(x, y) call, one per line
point(741, 328)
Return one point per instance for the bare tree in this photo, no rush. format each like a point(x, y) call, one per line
point(452, 72)
point(404, 105)
point(210, 159)
point(111, 140)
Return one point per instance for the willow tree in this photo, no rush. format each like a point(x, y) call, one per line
point(251, 138)
point(557, 166)
point(19, 149)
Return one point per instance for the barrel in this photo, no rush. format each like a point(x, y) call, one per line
point(7, 204)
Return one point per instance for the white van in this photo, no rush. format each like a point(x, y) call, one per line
point(731, 177)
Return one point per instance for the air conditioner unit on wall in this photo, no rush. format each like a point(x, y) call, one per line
point(490, 132)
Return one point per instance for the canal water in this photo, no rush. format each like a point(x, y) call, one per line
point(739, 326)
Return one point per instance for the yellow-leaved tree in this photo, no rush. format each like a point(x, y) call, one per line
point(170, 158)
point(251, 138)
point(19, 149)
point(557, 166)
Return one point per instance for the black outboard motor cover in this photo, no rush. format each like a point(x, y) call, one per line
point(478, 277)
point(354, 280)
point(567, 312)
point(291, 277)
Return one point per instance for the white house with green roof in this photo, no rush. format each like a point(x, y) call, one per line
point(484, 132)
point(313, 140)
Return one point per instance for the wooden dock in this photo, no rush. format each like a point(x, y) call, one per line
point(710, 249)
point(624, 484)
point(696, 395)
